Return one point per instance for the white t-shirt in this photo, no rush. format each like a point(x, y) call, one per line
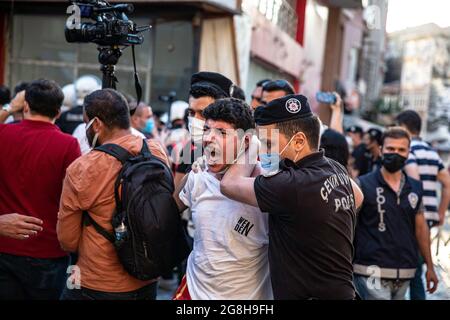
point(229, 259)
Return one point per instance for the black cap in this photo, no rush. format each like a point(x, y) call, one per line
point(290, 107)
point(355, 129)
point(375, 135)
point(213, 79)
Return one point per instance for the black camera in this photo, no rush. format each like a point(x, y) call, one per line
point(111, 27)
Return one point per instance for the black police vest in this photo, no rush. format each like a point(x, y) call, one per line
point(385, 230)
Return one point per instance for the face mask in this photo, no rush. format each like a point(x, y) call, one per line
point(92, 141)
point(270, 162)
point(196, 129)
point(393, 162)
point(149, 126)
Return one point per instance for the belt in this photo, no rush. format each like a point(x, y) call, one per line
point(384, 273)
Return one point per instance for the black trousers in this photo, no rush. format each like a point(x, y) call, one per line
point(26, 278)
point(145, 293)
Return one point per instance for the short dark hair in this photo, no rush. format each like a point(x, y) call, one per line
point(335, 146)
point(44, 97)
point(276, 85)
point(199, 91)
point(110, 106)
point(23, 85)
point(395, 133)
point(5, 95)
point(238, 93)
point(233, 111)
point(261, 82)
point(309, 126)
point(411, 120)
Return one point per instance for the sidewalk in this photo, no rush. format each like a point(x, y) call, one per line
point(442, 263)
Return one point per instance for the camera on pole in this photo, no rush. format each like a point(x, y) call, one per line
point(111, 31)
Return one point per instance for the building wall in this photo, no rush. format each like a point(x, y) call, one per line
point(218, 48)
point(314, 47)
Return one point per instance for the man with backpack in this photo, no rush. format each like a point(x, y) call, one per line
point(107, 206)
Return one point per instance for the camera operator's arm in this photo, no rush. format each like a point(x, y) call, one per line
point(16, 105)
point(337, 115)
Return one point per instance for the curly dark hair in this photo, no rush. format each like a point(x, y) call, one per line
point(233, 111)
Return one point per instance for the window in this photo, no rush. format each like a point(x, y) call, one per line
point(164, 60)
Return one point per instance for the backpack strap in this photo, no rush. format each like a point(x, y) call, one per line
point(116, 151)
point(87, 221)
point(145, 150)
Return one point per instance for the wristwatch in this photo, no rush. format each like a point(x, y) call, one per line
point(7, 108)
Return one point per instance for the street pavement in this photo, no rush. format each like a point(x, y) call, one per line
point(441, 259)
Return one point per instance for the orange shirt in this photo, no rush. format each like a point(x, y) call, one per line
point(89, 185)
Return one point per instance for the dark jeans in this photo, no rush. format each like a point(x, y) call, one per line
point(145, 293)
point(26, 278)
point(416, 287)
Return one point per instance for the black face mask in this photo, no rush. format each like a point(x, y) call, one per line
point(393, 162)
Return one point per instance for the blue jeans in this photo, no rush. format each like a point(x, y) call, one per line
point(145, 293)
point(387, 289)
point(26, 278)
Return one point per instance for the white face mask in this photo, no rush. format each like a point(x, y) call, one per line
point(196, 129)
point(94, 140)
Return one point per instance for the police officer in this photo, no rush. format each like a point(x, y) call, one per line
point(391, 226)
point(206, 87)
point(359, 159)
point(372, 140)
point(310, 199)
point(72, 118)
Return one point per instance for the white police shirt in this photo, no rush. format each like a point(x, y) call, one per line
point(229, 259)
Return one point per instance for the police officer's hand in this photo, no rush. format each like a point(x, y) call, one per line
point(431, 278)
point(18, 102)
point(18, 226)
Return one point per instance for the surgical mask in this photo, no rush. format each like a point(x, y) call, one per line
point(91, 141)
point(270, 162)
point(149, 126)
point(196, 129)
point(393, 162)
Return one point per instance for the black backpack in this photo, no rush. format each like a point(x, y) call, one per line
point(154, 242)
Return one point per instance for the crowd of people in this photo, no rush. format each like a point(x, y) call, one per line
point(274, 204)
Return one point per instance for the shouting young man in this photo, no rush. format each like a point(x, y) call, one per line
point(229, 258)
